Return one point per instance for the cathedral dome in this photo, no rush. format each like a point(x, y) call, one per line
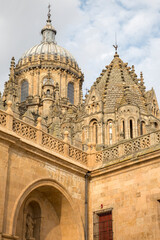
point(48, 49)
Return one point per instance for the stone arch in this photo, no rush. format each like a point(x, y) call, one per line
point(122, 128)
point(93, 131)
point(109, 131)
point(131, 127)
point(62, 203)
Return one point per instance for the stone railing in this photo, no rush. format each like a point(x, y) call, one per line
point(3, 119)
point(37, 135)
point(131, 146)
point(76, 153)
point(91, 158)
point(24, 130)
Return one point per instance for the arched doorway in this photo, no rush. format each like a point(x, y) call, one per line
point(46, 213)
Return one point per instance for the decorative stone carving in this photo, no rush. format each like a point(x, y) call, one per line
point(30, 223)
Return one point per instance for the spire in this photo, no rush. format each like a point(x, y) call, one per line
point(48, 32)
point(12, 67)
point(142, 87)
point(141, 77)
point(49, 14)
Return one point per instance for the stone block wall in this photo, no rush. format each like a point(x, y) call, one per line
point(133, 194)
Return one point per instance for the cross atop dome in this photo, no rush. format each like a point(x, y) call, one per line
point(49, 14)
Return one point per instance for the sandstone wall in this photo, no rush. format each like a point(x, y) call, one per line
point(133, 194)
point(26, 173)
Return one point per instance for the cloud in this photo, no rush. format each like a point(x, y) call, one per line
point(87, 29)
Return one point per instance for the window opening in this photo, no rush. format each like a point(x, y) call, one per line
point(103, 226)
point(70, 92)
point(131, 129)
point(48, 92)
point(94, 131)
point(155, 124)
point(24, 90)
point(110, 133)
point(123, 123)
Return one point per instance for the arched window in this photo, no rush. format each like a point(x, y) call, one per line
point(94, 131)
point(131, 128)
point(24, 90)
point(110, 133)
point(48, 92)
point(123, 129)
point(70, 92)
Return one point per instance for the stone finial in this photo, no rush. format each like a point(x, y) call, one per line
point(66, 134)
point(39, 123)
point(12, 66)
point(141, 77)
point(142, 87)
point(12, 61)
point(9, 109)
point(133, 70)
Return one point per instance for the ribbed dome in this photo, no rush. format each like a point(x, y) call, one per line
point(48, 47)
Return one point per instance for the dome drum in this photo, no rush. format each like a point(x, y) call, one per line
point(47, 61)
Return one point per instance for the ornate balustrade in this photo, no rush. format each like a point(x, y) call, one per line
point(3, 119)
point(52, 143)
point(77, 154)
point(37, 135)
point(24, 130)
point(131, 146)
point(91, 157)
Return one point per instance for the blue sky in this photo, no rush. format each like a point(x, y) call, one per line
point(87, 29)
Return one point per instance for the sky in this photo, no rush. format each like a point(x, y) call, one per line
point(86, 28)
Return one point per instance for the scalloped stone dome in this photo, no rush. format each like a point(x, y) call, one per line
point(49, 48)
